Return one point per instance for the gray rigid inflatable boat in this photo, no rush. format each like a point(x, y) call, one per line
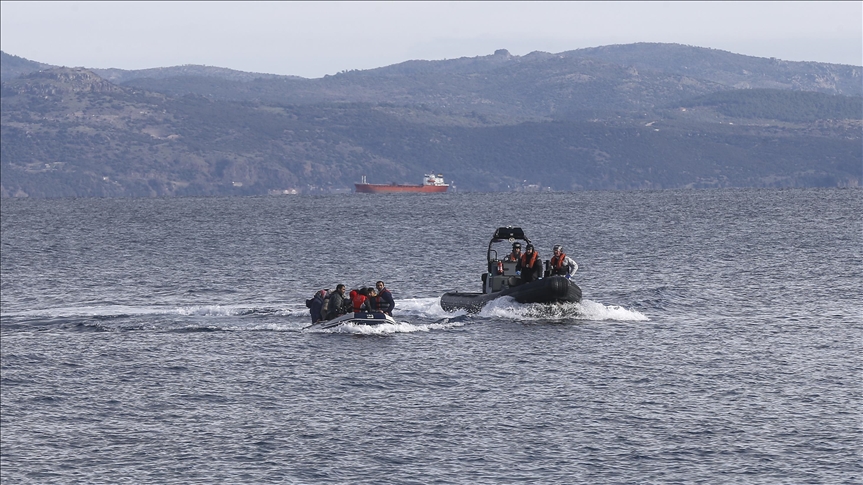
point(501, 280)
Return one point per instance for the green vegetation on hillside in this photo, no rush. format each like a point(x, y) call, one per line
point(501, 122)
point(774, 104)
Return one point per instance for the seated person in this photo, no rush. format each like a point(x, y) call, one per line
point(360, 300)
point(385, 300)
point(561, 264)
point(374, 304)
point(530, 265)
point(336, 303)
point(515, 255)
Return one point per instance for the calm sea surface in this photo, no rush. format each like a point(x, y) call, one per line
point(163, 341)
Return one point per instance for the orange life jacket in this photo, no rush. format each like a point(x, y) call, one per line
point(358, 301)
point(557, 261)
point(525, 263)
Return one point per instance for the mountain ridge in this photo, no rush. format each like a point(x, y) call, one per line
point(554, 121)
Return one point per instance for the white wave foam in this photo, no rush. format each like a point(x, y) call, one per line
point(507, 308)
point(410, 314)
point(592, 310)
point(383, 329)
point(428, 309)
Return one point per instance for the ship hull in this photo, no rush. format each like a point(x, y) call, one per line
point(394, 188)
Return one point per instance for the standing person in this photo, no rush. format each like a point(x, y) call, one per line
point(385, 300)
point(529, 264)
point(317, 303)
point(561, 264)
point(336, 302)
point(515, 255)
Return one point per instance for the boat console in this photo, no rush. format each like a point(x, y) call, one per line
point(502, 274)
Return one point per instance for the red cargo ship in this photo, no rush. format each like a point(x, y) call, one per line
point(431, 183)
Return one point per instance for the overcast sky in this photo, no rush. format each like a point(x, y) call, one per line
point(311, 39)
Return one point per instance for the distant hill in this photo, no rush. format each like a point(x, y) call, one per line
point(577, 84)
point(14, 66)
point(121, 76)
point(615, 117)
point(732, 70)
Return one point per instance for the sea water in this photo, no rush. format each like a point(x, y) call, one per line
point(165, 341)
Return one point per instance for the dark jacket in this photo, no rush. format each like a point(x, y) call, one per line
point(337, 304)
point(385, 301)
point(315, 305)
point(374, 303)
point(529, 272)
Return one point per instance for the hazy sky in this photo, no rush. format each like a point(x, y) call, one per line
point(311, 39)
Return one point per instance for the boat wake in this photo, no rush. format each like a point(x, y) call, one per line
point(411, 314)
point(416, 315)
point(507, 308)
point(109, 310)
point(116, 317)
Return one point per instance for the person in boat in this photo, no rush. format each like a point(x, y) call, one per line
point(325, 308)
point(373, 301)
point(529, 265)
point(336, 306)
point(316, 304)
point(561, 264)
point(360, 300)
point(385, 300)
point(515, 255)
point(352, 295)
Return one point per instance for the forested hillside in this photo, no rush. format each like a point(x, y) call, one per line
point(581, 120)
